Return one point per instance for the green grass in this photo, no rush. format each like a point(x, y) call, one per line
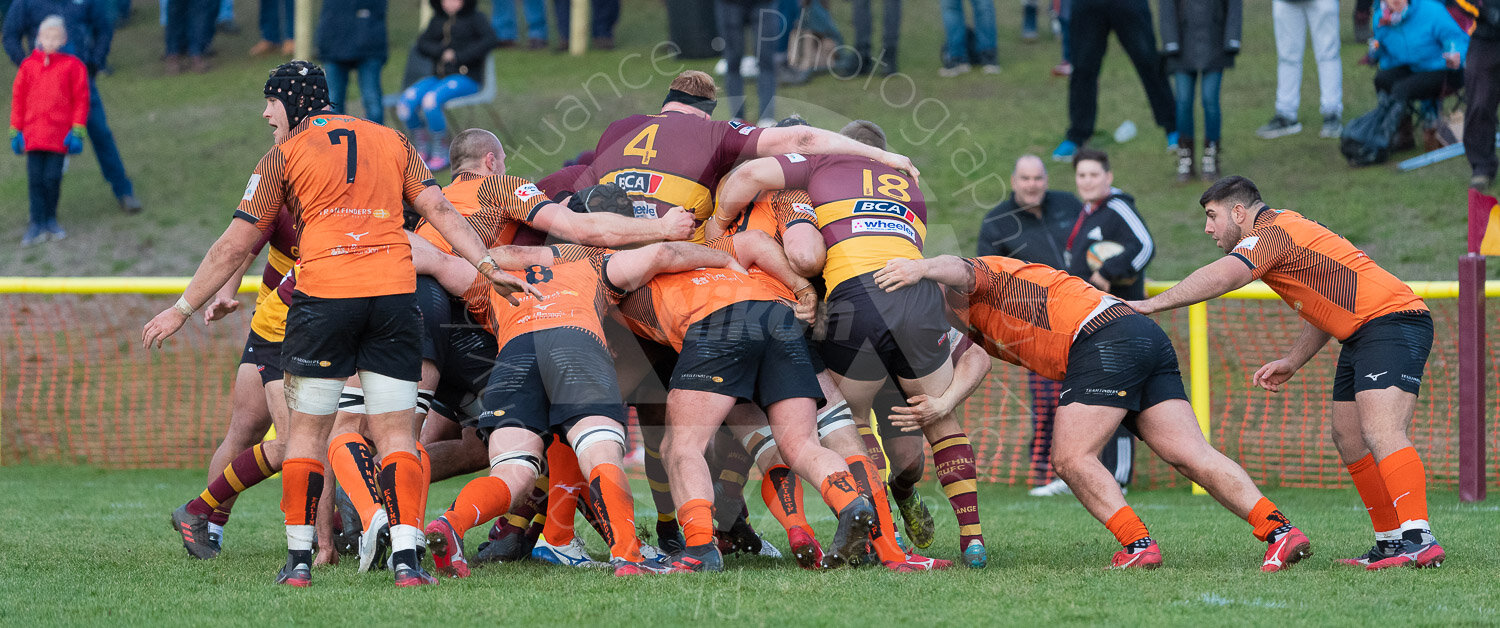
point(190, 142)
point(84, 546)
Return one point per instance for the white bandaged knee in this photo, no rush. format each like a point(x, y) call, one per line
point(758, 441)
point(312, 395)
point(387, 394)
point(519, 457)
point(834, 418)
point(602, 434)
point(352, 400)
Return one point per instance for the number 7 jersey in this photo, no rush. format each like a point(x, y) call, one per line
point(344, 179)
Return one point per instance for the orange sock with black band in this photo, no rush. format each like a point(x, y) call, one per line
point(1127, 528)
point(697, 519)
point(1267, 520)
point(356, 471)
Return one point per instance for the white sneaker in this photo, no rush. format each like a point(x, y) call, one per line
point(767, 549)
point(570, 555)
point(375, 542)
point(1051, 489)
point(962, 68)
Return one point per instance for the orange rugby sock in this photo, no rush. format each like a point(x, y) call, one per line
point(1126, 527)
point(1265, 518)
point(349, 455)
point(481, 500)
point(402, 488)
point(1406, 482)
point(566, 482)
point(610, 493)
point(838, 489)
point(782, 492)
point(426, 462)
point(883, 535)
point(697, 519)
point(1371, 488)
point(301, 486)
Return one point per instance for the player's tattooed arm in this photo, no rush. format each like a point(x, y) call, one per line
point(629, 270)
point(948, 270)
point(223, 258)
point(739, 189)
point(1276, 373)
point(1223, 275)
point(453, 273)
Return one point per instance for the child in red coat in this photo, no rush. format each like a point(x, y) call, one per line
point(48, 108)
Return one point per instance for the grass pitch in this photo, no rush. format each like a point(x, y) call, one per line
point(84, 546)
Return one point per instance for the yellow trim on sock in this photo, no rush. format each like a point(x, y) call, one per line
point(260, 460)
point(969, 530)
point(652, 452)
point(958, 439)
point(208, 498)
point(662, 517)
point(514, 520)
point(659, 487)
point(732, 476)
point(234, 479)
point(960, 487)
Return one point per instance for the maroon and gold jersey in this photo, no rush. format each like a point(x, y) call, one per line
point(869, 213)
point(269, 319)
point(669, 159)
point(664, 308)
point(1027, 314)
point(497, 206)
point(1330, 283)
point(773, 212)
point(344, 179)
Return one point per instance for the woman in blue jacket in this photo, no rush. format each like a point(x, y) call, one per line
point(1419, 48)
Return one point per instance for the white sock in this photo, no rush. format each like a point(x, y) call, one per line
point(405, 537)
point(1393, 535)
point(1416, 524)
point(300, 538)
point(214, 528)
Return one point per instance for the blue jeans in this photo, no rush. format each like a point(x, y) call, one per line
point(425, 100)
point(44, 172)
point(955, 50)
point(504, 19)
point(105, 150)
point(276, 20)
point(190, 24)
point(761, 19)
point(369, 86)
point(226, 12)
point(1211, 117)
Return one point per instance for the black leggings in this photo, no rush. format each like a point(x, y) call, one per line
point(1406, 85)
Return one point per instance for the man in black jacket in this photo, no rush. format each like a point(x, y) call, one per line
point(1482, 89)
point(1108, 244)
point(1033, 225)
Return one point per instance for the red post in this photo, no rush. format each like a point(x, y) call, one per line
point(1472, 355)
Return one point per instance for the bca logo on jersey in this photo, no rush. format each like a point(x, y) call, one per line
point(527, 192)
point(888, 208)
point(884, 227)
point(638, 182)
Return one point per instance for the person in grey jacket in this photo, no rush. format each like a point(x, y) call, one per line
point(352, 37)
point(1200, 39)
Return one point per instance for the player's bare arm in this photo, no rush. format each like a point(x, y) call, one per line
point(224, 303)
point(517, 257)
point(1274, 374)
point(814, 141)
point(629, 270)
point(805, 249)
point(1211, 281)
point(433, 206)
point(972, 369)
point(613, 230)
point(225, 257)
point(755, 248)
point(453, 273)
point(740, 187)
point(945, 269)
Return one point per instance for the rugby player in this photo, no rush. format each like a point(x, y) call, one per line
point(354, 310)
point(554, 375)
point(1386, 332)
point(676, 157)
point(869, 213)
point(1116, 367)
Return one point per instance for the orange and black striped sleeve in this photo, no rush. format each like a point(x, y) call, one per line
point(516, 198)
point(1264, 249)
point(562, 253)
point(418, 177)
point(266, 192)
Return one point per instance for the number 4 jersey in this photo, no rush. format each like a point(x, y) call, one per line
point(344, 179)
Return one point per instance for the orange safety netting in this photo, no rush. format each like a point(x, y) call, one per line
point(76, 387)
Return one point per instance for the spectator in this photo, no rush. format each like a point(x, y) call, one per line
point(1108, 216)
point(91, 28)
point(1063, 10)
point(1420, 50)
point(757, 15)
point(352, 37)
point(276, 28)
point(1200, 38)
point(1028, 20)
point(1033, 226)
point(457, 42)
point(1293, 18)
point(503, 18)
point(224, 23)
point(190, 28)
point(1482, 90)
point(1090, 24)
point(603, 15)
point(1362, 27)
point(49, 105)
point(890, 36)
point(956, 38)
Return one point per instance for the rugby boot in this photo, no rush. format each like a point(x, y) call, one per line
point(975, 555)
point(196, 538)
point(447, 549)
point(346, 540)
point(1380, 551)
point(849, 542)
point(697, 559)
point(914, 562)
point(1418, 549)
point(375, 542)
point(740, 537)
point(505, 545)
point(1148, 557)
point(407, 567)
point(295, 573)
point(918, 520)
point(1287, 549)
point(669, 536)
point(804, 548)
point(570, 555)
point(624, 567)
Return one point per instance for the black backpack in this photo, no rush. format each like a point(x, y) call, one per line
point(1367, 139)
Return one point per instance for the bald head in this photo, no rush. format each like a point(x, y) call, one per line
point(470, 149)
point(1029, 181)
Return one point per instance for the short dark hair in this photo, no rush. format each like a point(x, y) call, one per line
point(1091, 154)
point(1233, 189)
point(865, 132)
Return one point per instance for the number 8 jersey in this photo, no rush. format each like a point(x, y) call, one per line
point(344, 179)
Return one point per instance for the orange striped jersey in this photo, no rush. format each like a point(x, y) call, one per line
point(671, 158)
point(868, 212)
point(269, 319)
point(1330, 283)
point(665, 307)
point(344, 179)
point(576, 294)
point(776, 211)
point(1028, 314)
point(496, 206)
point(782, 291)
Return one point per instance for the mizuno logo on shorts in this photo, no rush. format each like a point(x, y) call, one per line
point(1375, 377)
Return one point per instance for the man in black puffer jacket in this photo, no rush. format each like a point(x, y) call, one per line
point(457, 42)
point(352, 37)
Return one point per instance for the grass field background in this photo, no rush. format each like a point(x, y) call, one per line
point(190, 141)
point(88, 547)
